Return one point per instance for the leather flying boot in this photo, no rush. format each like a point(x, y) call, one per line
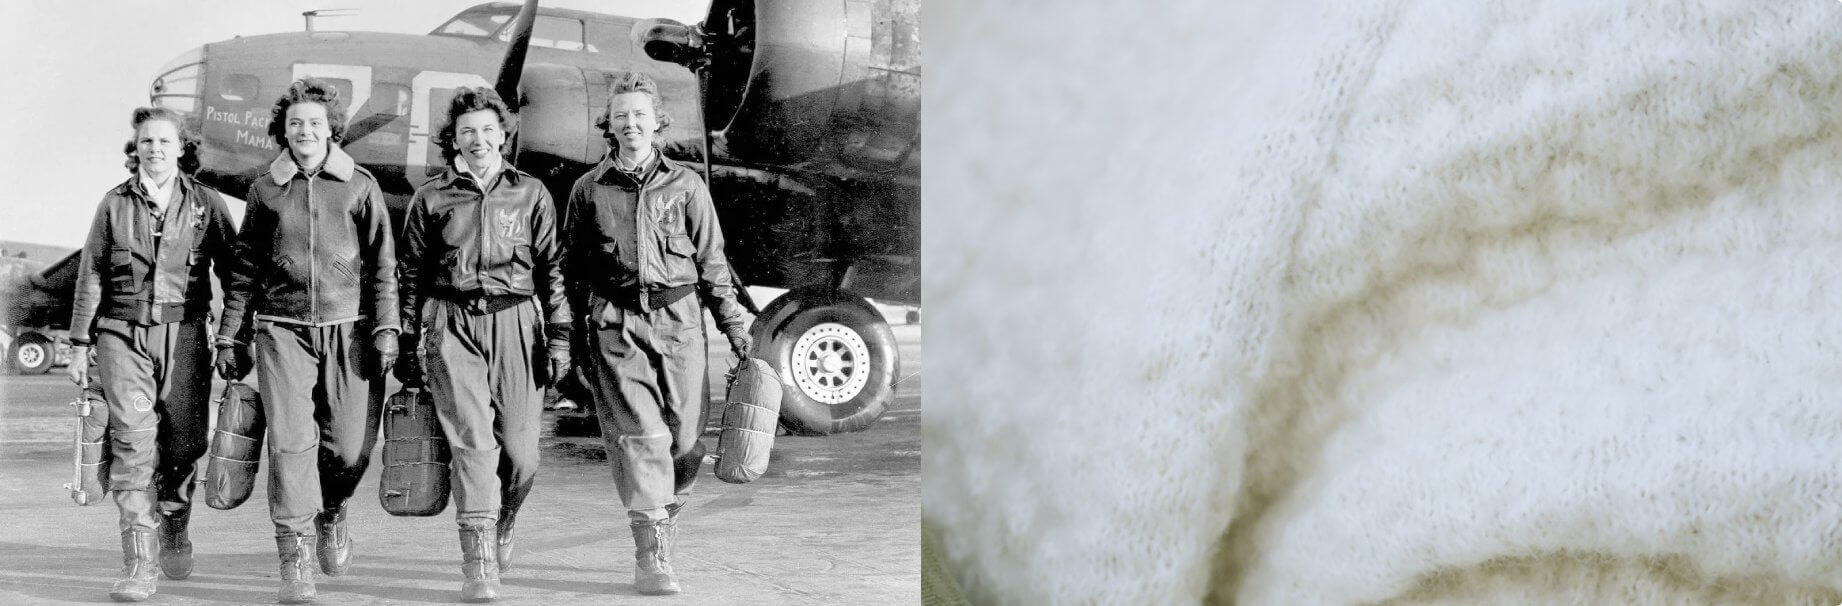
point(297, 568)
point(511, 500)
point(140, 569)
point(335, 541)
point(652, 570)
point(507, 517)
point(176, 545)
point(668, 541)
point(479, 565)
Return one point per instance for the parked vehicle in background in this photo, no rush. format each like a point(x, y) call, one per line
point(35, 297)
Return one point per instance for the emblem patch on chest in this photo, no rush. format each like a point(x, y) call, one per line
point(667, 209)
point(508, 222)
point(198, 216)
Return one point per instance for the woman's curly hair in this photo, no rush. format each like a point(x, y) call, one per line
point(308, 90)
point(188, 140)
point(472, 99)
point(632, 82)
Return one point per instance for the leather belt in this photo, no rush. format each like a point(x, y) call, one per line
point(647, 300)
point(484, 305)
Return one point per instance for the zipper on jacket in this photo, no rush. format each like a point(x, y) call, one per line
point(640, 217)
point(152, 245)
point(157, 225)
point(479, 274)
point(313, 256)
point(640, 229)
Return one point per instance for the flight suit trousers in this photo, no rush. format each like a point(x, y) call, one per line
point(322, 406)
point(157, 382)
point(647, 374)
point(480, 366)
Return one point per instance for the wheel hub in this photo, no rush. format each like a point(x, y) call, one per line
point(31, 354)
point(831, 363)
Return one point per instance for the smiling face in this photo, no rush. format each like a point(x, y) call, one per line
point(633, 122)
point(478, 137)
point(157, 146)
point(308, 132)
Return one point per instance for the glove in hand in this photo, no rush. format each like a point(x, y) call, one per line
point(740, 344)
point(385, 342)
point(233, 362)
point(556, 366)
point(409, 371)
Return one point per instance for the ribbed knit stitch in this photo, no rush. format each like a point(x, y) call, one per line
point(1388, 302)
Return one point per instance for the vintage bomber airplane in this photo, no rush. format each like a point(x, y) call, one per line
point(810, 107)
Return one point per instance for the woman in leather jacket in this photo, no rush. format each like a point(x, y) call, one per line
point(318, 305)
point(486, 323)
point(142, 303)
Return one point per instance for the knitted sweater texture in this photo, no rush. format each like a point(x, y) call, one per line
point(1402, 302)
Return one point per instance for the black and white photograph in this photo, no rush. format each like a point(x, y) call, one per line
point(540, 302)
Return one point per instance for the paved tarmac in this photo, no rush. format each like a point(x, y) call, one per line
point(835, 521)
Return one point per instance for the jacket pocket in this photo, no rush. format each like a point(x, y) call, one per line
point(607, 262)
point(196, 271)
point(520, 278)
point(680, 259)
point(121, 271)
point(346, 268)
point(681, 246)
point(450, 274)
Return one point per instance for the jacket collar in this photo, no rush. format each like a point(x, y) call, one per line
point(658, 163)
point(338, 164)
point(506, 171)
point(182, 187)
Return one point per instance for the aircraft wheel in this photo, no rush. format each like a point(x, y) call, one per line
point(32, 354)
point(835, 356)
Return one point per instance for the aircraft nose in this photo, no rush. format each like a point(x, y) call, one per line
point(178, 85)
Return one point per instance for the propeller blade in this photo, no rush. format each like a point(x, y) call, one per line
point(512, 68)
point(363, 128)
point(703, 86)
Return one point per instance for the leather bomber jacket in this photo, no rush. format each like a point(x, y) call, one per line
point(622, 236)
point(316, 249)
point(122, 274)
point(460, 242)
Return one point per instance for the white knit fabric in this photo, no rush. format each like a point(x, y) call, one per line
point(1386, 302)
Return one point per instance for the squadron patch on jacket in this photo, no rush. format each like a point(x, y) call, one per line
point(142, 403)
point(198, 216)
point(666, 208)
point(508, 222)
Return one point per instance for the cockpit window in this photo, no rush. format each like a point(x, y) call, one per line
point(554, 32)
point(548, 32)
point(473, 25)
point(239, 87)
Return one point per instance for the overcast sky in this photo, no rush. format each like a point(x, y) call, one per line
point(79, 67)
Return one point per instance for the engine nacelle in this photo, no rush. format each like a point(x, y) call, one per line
point(833, 84)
